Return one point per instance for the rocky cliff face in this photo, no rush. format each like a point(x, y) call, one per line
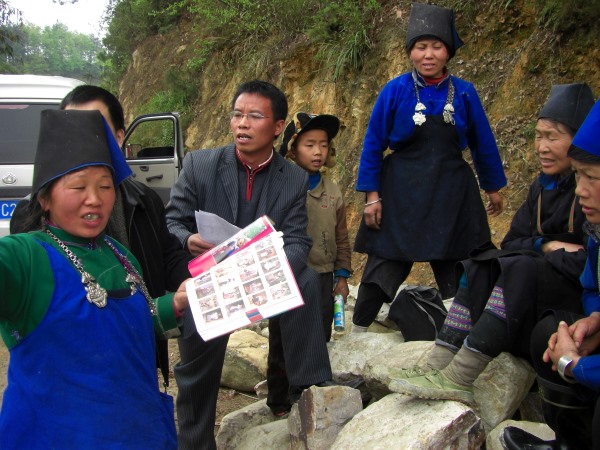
point(509, 58)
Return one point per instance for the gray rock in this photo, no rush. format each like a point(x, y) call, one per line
point(245, 361)
point(325, 418)
point(236, 424)
point(261, 389)
point(350, 354)
point(264, 332)
point(320, 414)
point(531, 408)
point(402, 422)
point(273, 435)
point(501, 388)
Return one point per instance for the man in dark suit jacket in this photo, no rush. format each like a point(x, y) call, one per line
point(241, 182)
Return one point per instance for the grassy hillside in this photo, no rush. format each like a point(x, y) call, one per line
point(513, 53)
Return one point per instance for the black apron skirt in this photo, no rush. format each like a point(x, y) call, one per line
point(432, 208)
point(531, 287)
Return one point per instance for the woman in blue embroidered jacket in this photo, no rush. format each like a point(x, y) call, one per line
point(422, 201)
point(74, 310)
point(566, 346)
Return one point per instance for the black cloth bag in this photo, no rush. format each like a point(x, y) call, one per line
point(419, 313)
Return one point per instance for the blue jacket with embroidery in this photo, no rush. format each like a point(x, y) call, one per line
point(391, 125)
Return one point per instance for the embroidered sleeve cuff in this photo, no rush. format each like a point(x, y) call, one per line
point(165, 322)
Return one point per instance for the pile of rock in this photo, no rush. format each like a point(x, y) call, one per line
point(334, 417)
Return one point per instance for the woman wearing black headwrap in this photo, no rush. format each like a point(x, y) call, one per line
point(423, 201)
point(74, 310)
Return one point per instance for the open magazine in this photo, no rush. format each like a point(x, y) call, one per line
point(244, 279)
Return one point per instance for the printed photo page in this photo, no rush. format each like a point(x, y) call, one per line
point(252, 283)
point(258, 229)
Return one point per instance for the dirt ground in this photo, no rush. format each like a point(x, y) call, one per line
point(229, 399)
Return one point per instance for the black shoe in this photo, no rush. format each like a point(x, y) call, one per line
point(517, 439)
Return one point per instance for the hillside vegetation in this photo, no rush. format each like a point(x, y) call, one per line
point(514, 51)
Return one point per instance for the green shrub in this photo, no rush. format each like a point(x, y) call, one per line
point(566, 16)
point(341, 30)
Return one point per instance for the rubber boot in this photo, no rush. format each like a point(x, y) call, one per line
point(568, 414)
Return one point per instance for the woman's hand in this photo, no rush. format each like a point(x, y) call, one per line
point(373, 210)
point(585, 332)
point(180, 298)
point(561, 343)
point(550, 246)
point(495, 204)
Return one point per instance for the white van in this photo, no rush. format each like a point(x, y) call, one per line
point(153, 143)
point(22, 98)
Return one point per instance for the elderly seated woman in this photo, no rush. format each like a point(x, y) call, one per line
point(565, 346)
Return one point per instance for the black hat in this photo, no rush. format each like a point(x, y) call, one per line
point(568, 104)
point(304, 122)
point(72, 139)
point(432, 21)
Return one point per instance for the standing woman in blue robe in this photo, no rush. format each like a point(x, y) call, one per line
point(422, 200)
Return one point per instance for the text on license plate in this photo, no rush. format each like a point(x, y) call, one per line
point(7, 207)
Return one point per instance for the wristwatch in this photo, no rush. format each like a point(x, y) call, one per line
point(562, 364)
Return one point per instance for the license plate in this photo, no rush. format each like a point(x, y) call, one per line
point(7, 207)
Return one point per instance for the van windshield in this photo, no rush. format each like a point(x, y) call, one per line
point(19, 129)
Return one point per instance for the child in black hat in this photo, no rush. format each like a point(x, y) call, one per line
point(307, 141)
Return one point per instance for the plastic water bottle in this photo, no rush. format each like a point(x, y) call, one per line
point(339, 318)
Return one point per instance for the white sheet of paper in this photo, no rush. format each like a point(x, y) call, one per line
point(213, 229)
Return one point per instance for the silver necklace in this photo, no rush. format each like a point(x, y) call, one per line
point(419, 118)
point(95, 293)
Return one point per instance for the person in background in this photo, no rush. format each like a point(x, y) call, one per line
point(503, 293)
point(75, 311)
point(565, 346)
point(241, 182)
point(422, 200)
point(138, 217)
point(307, 141)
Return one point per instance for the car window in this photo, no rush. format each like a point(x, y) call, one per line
point(19, 129)
point(151, 139)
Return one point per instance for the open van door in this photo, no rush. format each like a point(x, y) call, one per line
point(153, 147)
